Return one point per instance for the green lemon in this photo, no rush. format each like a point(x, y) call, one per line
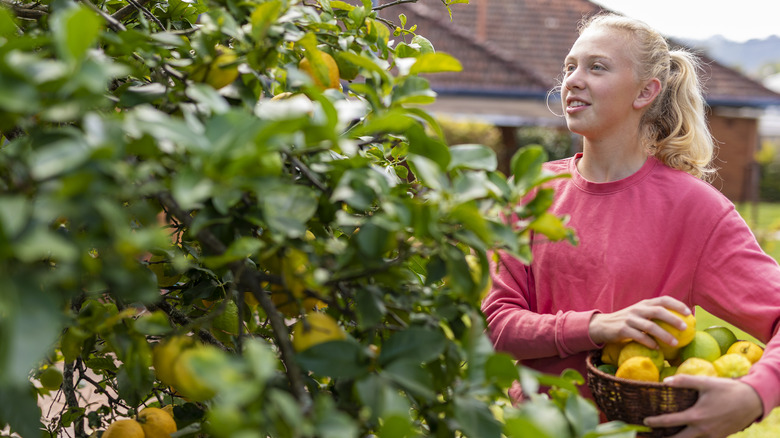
point(723, 335)
point(703, 346)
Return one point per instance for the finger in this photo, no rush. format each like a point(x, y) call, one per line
point(698, 383)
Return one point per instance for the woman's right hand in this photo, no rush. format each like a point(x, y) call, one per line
point(636, 322)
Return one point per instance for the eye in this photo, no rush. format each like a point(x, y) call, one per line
point(568, 68)
point(598, 66)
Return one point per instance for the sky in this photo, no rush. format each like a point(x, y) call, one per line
point(736, 20)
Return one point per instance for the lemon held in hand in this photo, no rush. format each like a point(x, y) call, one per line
point(684, 337)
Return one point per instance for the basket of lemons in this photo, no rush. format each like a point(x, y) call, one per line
point(626, 379)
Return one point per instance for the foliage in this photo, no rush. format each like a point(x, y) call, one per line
point(556, 142)
point(458, 131)
point(139, 205)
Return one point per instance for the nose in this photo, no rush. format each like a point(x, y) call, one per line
point(573, 79)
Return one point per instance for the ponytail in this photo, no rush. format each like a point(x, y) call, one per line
point(676, 124)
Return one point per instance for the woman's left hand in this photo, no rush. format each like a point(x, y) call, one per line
point(724, 407)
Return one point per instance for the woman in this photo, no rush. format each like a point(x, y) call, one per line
point(653, 235)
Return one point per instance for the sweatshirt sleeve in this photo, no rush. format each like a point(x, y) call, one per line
point(515, 326)
point(738, 282)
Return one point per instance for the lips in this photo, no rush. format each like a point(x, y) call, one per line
point(574, 104)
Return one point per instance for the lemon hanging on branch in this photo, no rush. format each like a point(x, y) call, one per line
point(322, 69)
point(221, 71)
point(315, 328)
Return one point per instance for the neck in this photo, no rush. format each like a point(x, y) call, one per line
point(602, 162)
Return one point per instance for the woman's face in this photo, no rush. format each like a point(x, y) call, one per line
point(599, 85)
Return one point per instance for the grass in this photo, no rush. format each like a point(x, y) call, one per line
point(764, 220)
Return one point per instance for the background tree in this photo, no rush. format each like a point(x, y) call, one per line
point(191, 216)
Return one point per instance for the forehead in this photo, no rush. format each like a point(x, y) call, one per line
point(602, 42)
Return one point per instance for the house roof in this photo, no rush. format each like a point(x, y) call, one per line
point(515, 48)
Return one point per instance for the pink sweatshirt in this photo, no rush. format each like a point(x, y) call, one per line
point(657, 232)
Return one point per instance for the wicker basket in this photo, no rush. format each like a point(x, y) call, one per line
point(631, 401)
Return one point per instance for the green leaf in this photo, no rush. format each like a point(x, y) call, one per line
point(287, 208)
point(75, 30)
point(381, 397)
point(7, 24)
point(153, 324)
point(409, 374)
point(19, 410)
point(415, 343)
point(424, 44)
point(475, 418)
point(14, 214)
point(501, 368)
point(336, 359)
point(58, 157)
point(549, 225)
point(263, 16)
point(190, 188)
point(473, 156)
point(526, 165)
point(370, 307)
point(435, 63)
point(541, 415)
point(239, 249)
point(33, 320)
point(581, 413)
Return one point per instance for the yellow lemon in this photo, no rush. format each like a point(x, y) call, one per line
point(703, 346)
point(315, 328)
point(330, 65)
point(732, 365)
point(750, 350)
point(698, 367)
point(725, 337)
point(156, 423)
point(164, 356)
point(684, 337)
point(126, 428)
point(221, 71)
point(188, 383)
point(611, 352)
point(168, 409)
point(638, 368)
point(634, 348)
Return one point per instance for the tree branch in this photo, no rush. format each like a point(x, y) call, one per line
point(182, 320)
point(248, 279)
point(31, 11)
point(128, 10)
point(391, 4)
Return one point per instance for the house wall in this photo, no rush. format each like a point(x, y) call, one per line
point(737, 141)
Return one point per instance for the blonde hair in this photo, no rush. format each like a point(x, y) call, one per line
point(675, 124)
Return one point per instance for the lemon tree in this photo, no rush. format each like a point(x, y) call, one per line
point(177, 195)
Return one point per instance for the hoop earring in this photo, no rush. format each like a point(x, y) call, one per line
point(553, 92)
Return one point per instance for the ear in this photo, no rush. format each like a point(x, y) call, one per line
point(648, 93)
